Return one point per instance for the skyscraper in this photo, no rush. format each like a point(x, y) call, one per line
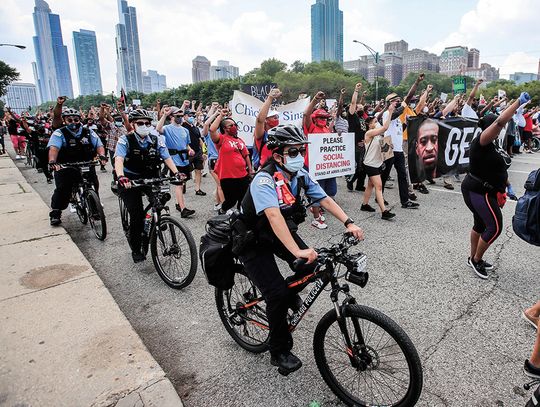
point(87, 59)
point(53, 73)
point(223, 70)
point(153, 82)
point(326, 31)
point(128, 54)
point(200, 70)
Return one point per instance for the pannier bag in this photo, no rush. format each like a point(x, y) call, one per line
point(526, 220)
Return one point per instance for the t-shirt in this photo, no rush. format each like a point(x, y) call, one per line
point(212, 150)
point(262, 154)
point(395, 130)
point(358, 126)
point(58, 140)
point(177, 138)
point(194, 136)
point(528, 122)
point(407, 112)
point(489, 163)
point(231, 162)
point(263, 190)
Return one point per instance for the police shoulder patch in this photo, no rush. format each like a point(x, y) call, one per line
point(262, 180)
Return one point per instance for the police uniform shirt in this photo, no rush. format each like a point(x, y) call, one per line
point(263, 190)
point(122, 147)
point(177, 138)
point(58, 140)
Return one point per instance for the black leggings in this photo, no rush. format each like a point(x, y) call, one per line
point(488, 220)
point(234, 190)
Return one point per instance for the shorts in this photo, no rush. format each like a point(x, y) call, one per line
point(197, 161)
point(372, 171)
point(186, 170)
point(212, 163)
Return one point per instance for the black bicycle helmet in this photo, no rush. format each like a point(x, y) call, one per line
point(285, 135)
point(68, 111)
point(139, 114)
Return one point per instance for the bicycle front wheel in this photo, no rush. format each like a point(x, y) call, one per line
point(173, 252)
point(382, 368)
point(247, 326)
point(535, 144)
point(96, 216)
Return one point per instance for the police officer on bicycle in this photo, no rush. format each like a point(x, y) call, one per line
point(68, 144)
point(139, 154)
point(272, 209)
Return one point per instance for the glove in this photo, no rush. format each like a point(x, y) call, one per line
point(103, 158)
point(52, 166)
point(123, 181)
point(180, 176)
point(524, 98)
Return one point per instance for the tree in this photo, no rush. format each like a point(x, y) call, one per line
point(298, 66)
point(272, 66)
point(7, 75)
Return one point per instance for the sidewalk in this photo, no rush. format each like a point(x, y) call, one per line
point(64, 340)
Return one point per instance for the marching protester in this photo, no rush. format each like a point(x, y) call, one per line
point(113, 127)
point(266, 119)
point(357, 125)
point(197, 146)
point(484, 187)
point(233, 166)
point(177, 140)
point(213, 155)
point(17, 134)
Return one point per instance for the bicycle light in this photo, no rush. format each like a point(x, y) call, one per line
point(357, 274)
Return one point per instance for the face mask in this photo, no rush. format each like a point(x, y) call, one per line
point(191, 120)
point(425, 110)
point(178, 120)
point(320, 122)
point(273, 123)
point(294, 164)
point(73, 126)
point(413, 105)
point(144, 130)
point(118, 124)
point(233, 130)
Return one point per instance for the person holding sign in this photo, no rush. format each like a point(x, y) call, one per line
point(484, 187)
point(316, 121)
point(373, 161)
point(266, 119)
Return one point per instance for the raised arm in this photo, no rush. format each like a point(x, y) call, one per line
point(451, 106)
point(492, 132)
point(165, 112)
point(263, 113)
point(212, 113)
point(472, 95)
point(354, 98)
point(214, 133)
point(487, 107)
point(57, 113)
point(310, 108)
point(340, 103)
point(413, 88)
point(423, 99)
point(381, 130)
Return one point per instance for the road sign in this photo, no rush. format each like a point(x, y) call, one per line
point(459, 85)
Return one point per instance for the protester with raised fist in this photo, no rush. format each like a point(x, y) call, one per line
point(266, 119)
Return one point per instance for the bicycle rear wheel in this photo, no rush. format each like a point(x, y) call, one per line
point(174, 252)
point(248, 327)
point(382, 368)
point(535, 144)
point(96, 216)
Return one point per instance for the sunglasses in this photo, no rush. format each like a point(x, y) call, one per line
point(73, 120)
point(293, 152)
point(143, 123)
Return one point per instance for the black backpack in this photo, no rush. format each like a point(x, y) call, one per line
point(526, 221)
point(217, 259)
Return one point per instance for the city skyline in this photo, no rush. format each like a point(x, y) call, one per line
point(286, 39)
point(87, 59)
point(326, 31)
point(128, 53)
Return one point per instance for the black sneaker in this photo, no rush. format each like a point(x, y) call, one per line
point(478, 268)
point(350, 185)
point(513, 197)
point(487, 266)
point(201, 193)
point(186, 213)
point(387, 215)
point(431, 182)
point(410, 205)
point(360, 188)
point(422, 189)
point(286, 363)
point(55, 217)
point(531, 370)
point(412, 196)
point(386, 202)
point(138, 257)
point(367, 208)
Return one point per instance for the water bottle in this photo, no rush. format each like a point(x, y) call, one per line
point(147, 222)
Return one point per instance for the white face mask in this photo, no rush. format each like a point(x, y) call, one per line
point(143, 130)
point(425, 110)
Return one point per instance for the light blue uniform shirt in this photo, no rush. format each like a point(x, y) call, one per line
point(210, 145)
point(58, 140)
point(263, 190)
point(122, 147)
point(177, 138)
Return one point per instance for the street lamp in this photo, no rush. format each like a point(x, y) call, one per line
point(13, 45)
point(375, 55)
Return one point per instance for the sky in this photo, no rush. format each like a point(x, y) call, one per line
point(245, 32)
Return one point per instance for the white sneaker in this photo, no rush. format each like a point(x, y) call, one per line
point(389, 185)
point(319, 223)
point(217, 207)
point(72, 209)
point(17, 157)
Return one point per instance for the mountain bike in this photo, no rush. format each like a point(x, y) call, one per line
point(85, 199)
point(534, 401)
point(363, 356)
point(171, 244)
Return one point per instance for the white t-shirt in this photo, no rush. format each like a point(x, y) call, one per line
point(395, 130)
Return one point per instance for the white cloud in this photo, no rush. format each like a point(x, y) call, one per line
point(519, 62)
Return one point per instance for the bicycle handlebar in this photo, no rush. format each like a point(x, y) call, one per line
point(92, 163)
point(151, 181)
point(330, 253)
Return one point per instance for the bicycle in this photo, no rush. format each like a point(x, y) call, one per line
point(167, 249)
point(535, 144)
point(350, 337)
point(534, 401)
point(86, 201)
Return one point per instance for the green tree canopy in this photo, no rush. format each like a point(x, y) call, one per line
point(7, 75)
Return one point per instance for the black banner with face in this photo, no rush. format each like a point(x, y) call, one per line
point(439, 147)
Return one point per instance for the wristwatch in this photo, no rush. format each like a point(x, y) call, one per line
point(348, 222)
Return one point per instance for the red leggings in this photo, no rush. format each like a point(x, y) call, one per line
point(19, 142)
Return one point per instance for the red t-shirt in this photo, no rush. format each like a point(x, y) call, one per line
point(528, 122)
point(264, 153)
point(314, 130)
point(231, 161)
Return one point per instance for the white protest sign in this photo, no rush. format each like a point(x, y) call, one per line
point(245, 109)
point(444, 96)
point(331, 155)
point(136, 102)
point(501, 93)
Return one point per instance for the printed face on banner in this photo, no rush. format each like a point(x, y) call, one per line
point(427, 147)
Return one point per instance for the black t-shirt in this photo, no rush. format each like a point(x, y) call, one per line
point(13, 127)
point(489, 163)
point(358, 126)
point(194, 136)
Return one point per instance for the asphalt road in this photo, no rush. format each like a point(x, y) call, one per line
point(468, 332)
